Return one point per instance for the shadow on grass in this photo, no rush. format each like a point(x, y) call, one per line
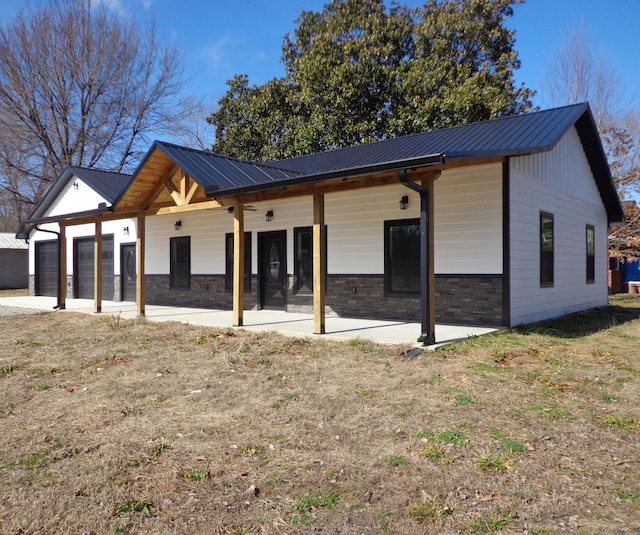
point(622, 309)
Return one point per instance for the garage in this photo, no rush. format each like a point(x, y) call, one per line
point(83, 267)
point(47, 268)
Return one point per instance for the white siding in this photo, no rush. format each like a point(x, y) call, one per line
point(558, 182)
point(71, 200)
point(468, 226)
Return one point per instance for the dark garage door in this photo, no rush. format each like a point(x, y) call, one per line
point(47, 268)
point(83, 267)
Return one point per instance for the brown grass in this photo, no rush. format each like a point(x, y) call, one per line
point(128, 427)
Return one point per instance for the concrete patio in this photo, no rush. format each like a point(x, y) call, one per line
point(287, 323)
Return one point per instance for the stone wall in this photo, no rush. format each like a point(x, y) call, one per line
point(206, 291)
point(462, 299)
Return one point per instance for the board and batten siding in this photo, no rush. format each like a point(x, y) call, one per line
point(559, 182)
point(467, 212)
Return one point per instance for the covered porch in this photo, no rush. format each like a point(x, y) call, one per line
point(286, 323)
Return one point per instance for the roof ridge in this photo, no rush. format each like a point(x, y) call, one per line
point(583, 105)
point(84, 168)
point(224, 156)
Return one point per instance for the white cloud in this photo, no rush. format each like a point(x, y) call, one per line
point(215, 53)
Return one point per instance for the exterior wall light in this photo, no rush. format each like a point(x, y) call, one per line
point(268, 216)
point(177, 225)
point(125, 231)
point(76, 185)
point(404, 202)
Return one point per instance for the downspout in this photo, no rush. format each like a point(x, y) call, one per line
point(58, 304)
point(426, 337)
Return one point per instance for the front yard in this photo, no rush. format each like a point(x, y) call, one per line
point(132, 427)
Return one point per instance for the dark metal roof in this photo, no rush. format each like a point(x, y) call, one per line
point(507, 136)
point(110, 185)
point(215, 172)
point(515, 135)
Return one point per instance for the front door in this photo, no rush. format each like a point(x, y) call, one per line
point(272, 269)
point(128, 271)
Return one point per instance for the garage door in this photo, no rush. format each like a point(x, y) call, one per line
point(83, 267)
point(47, 268)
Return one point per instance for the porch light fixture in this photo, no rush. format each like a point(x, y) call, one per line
point(125, 231)
point(404, 202)
point(76, 185)
point(268, 216)
point(177, 225)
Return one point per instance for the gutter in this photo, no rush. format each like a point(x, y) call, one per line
point(392, 166)
point(427, 337)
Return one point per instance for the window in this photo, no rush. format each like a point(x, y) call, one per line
point(591, 254)
point(180, 269)
point(228, 280)
point(303, 254)
point(402, 256)
point(546, 249)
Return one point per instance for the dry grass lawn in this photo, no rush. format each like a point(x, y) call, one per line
point(132, 427)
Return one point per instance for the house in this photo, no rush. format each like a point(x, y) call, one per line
point(495, 223)
point(13, 262)
point(80, 190)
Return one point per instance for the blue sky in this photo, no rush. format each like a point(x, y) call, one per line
point(221, 38)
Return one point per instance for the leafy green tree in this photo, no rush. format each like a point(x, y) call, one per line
point(359, 72)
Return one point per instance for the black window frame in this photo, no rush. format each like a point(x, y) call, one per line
point(591, 253)
point(174, 282)
point(389, 289)
point(228, 259)
point(299, 287)
point(547, 251)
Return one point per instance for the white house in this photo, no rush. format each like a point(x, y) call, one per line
point(501, 222)
point(81, 190)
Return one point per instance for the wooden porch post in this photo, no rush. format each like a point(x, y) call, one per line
point(97, 268)
point(62, 267)
point(319, 274)
point(238, 265)
point(140, 246)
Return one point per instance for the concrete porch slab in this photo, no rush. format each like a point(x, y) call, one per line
point(287, 323)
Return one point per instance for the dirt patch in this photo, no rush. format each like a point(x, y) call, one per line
point(131, 427)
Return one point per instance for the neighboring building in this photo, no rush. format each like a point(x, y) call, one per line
point(13, 262)
point(517, 210)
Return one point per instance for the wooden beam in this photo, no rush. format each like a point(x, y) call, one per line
point(97, 268)
point(319, 275)
point(206, 205)
point(62, 268)
point(140, 280)
point(192, 191)
point(153, 194)
point(238, 265)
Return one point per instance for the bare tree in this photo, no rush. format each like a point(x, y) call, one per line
point(79, 86)
point(579, 74)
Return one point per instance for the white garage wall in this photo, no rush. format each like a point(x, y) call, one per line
point(558, 182)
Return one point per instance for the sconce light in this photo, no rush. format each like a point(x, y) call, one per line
point(404, 202)
point(76, 185)
point(177, 225)
point(125, 231)
point(268, 216)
